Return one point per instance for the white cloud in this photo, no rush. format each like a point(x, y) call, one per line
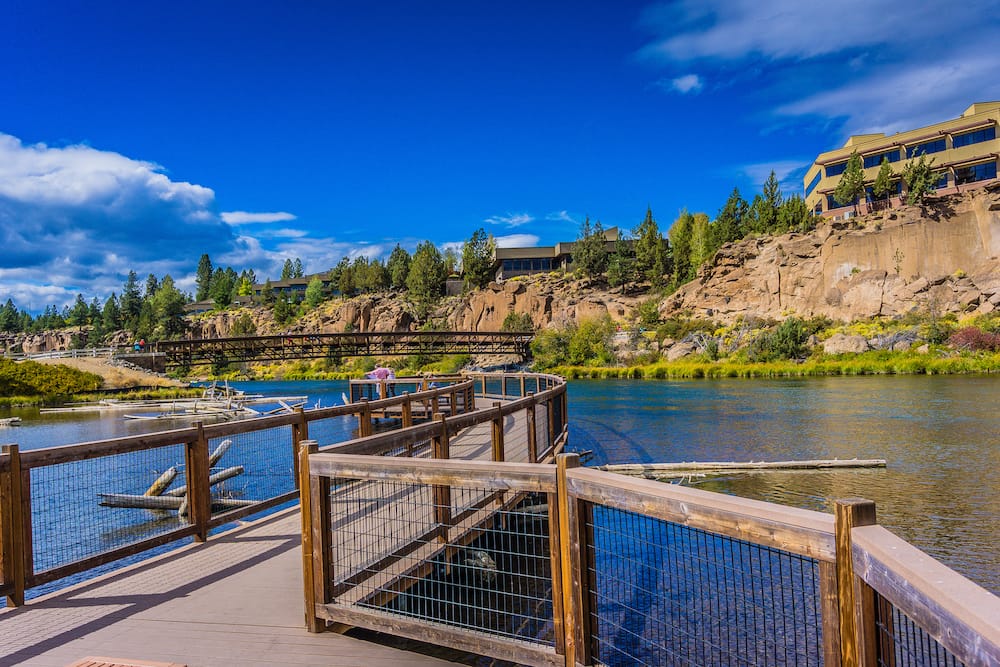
point(245, 218)
point(510, 219)
point(788, 173)
point(560, 216)
point(77, 219)
point(689, 83)
point(517, 241)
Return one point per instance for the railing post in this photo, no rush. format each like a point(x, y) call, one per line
point(300, 432)
point(522, 385)
point(532, 432)
point(316, 538)
point(199, 493)
point(498, 432)
point(453, 402)
point(442, 492)
point(364, 419)
point(575, 585)
point(12, 539)
point(855, 598)
point(550, 405)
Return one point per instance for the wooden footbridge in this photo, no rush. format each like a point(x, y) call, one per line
point(458, 531)
point(289, 347)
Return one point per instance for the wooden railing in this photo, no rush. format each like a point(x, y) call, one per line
point(640, 572)
point(61, 484)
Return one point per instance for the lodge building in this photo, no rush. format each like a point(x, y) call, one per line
point(965, 150)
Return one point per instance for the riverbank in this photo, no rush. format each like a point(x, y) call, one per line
point(866, 363)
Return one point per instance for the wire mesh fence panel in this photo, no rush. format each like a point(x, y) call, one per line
point(493, 386)
point(667, 594)
point(333, 429)
point(531, 385)
point(903, 643)
point(261, 465)
point(82, 508)
point(489, 572)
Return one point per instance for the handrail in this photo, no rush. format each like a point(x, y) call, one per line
point(962, 616)
point(16, 547)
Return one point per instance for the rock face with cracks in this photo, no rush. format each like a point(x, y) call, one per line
point(940, 257)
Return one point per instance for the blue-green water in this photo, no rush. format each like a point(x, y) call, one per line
point(941, 436)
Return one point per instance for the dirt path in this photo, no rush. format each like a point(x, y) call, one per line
point(115, 377)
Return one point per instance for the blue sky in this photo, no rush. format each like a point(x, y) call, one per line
point(141, 135)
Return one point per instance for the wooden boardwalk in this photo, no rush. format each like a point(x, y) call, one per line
point(234, 600)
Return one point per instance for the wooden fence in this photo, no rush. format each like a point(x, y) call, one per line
point(639, 572)
point(44, 482)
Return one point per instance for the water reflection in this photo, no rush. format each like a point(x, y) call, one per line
point(940, 435)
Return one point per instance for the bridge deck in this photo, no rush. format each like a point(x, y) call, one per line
point(235, 600)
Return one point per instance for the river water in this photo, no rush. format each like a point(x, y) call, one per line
point(940, 435)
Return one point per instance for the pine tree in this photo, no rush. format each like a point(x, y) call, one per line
point(314, 292)
point(477, 259)
point(287, 270)
point(298, 271)
point(427, 277)
point(884, 186)
point(590, 256)
point(399, 267)
point(680, 239)
point(852, 183)
point(131, 302)
point(651, 262)
point(730, 224)
point(920, 179)
point(621, 265)
point(203, 278)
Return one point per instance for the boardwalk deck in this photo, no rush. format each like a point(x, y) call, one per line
point(233, 600)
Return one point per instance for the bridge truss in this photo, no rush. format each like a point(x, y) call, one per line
point(290, 347)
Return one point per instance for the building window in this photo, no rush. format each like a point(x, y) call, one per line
point(815, 181)
point(976, 172)
point(876, 160)
point(979, 136)
point(895, 190)
point(832, 203)
point(925, 148)
point(942, 182)
point(531, 264)
point(836, 169)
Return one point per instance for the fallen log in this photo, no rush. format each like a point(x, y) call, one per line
point(132, 501)
point(162, 482)
point(213, 479)
point(733, 466)
point(219, 452)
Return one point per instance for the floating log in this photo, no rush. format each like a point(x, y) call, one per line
point(162, 482)
point(132, 501)
point(682, 469)
point(219, 452)
point(10, 421)
point(214, 479)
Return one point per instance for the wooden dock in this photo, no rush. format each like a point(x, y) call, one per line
point(234, 600)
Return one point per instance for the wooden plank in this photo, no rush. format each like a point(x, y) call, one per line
point(462, 639)
point(36, 458)
point(798, 531)
point(569, 556)
point(229, 516)
point(497, 434)
point(103, 558)
point(962, 616)
point(488, 474)
point(532, 431)
point(854, 651)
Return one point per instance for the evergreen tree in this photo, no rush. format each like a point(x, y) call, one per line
point(426, 279)
point(452, 260)
point(131, 302)
point(621, 265)
point(651, 253)
point(477, 259)
point(168, 310)
point(9, 320)
point(111, 315)
point(203, 278)
point(152, 284)
point(701, 242)
point(314, 292)
point(79, 314)
point(794, 215)
point(680, 239)
point(920, 178)
point(731, 223)
point(852, 183)
point(399, 267)
point(884, 186)
point(287, 270)
point(297, 269)
point(267, 293)
point(590, 255)
point(283, 312)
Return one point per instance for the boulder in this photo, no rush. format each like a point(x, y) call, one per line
point(842, 343)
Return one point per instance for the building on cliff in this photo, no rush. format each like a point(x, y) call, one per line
point(510, 262)
point(966, 148)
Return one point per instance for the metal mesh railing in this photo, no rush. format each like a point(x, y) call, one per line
point(261, 464)
point(73, 516)
point(472, 558)
point(666, 594)
point(903, 643)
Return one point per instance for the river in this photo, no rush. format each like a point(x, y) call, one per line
point(940, 435)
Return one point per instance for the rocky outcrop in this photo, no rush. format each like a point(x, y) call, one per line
point(944, 256)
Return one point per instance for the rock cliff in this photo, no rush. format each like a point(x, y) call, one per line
point(944, 256)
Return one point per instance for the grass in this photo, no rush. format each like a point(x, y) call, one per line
point(868, 363)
